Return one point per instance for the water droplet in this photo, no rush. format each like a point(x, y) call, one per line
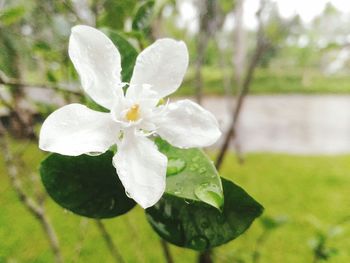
point(127, 194)
point(194, 167)
point(175, 166)
point(195, 159)
point(199, 242)
point(94, 153)
point(210, 193)
point(202, 170)
point(112, 205)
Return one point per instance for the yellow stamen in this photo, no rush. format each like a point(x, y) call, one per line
point(133, 113)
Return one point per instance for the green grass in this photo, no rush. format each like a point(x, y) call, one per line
point(268, 81)
point(302, 188)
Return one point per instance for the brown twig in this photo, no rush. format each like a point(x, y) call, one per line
point(14, 82)
point(109, 242)
point(166, 250)
point(34, 208)
point(82, 236)
point(261, 47)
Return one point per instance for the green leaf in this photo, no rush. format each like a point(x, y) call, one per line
point(199, 226)
point(191, 175)
point(142, 18)
point(115, 13)
point(12, 15)
point(86, 185)
point(127, 51)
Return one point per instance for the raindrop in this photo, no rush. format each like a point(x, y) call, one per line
point(93, 153)
point(199, 242)
point(112, 205)
point(202, 170)
point(128, 194)
point(175, 166)
point(195, 159)
point(210, 193)
point(194, 167)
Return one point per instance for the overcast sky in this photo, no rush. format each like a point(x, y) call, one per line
point(307, 9)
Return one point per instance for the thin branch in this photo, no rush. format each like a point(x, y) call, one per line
point(36, 210)
point(205, 257)
point(14, 82)
point(82, 236)
point(166, 250)
point(259, 243)
point(261, 46)
point(109, 242)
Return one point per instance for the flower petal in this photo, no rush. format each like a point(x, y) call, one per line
point(98, 63)
point(75, 129)
point(161, 65)
point(141, 168)
point(185, 124)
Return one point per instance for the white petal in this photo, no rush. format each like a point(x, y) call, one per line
point(75, 129)
point(98, 63)
point(141, 169)
point(185, 124)
point(161, 65)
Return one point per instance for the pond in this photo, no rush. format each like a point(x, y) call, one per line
point(297, 124)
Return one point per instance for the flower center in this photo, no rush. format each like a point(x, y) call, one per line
point(133, 113)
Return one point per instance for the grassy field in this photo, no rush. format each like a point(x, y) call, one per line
point(271, 82)
point(304, 189)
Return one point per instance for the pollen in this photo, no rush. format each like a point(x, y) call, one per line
point(133, 113)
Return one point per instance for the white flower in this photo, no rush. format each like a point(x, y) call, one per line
point(75, 129)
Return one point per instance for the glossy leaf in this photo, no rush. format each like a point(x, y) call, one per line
point(127, 52)
point(142, 18)
point(86, 185)
point(191, 175)
point(199, 226)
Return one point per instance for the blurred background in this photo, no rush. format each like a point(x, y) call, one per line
point(275, 73)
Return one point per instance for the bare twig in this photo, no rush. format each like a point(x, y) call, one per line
point(109, 242)
point(261, 47)
point(14, 82)
point(36, 210)
point(259, 242)
point(205, 257)
point(166, 250)
point(82, 235)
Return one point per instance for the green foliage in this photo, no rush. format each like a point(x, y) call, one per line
point(191, 175)
point(116, 13)
point(142, 18)
point(199, 226)
point(227, 6)
point(270, 81)
point(86, 185)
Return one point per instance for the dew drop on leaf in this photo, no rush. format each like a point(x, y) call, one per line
point(199, 242)
point(175, 166)
point(210, 194)
point(202, 170)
